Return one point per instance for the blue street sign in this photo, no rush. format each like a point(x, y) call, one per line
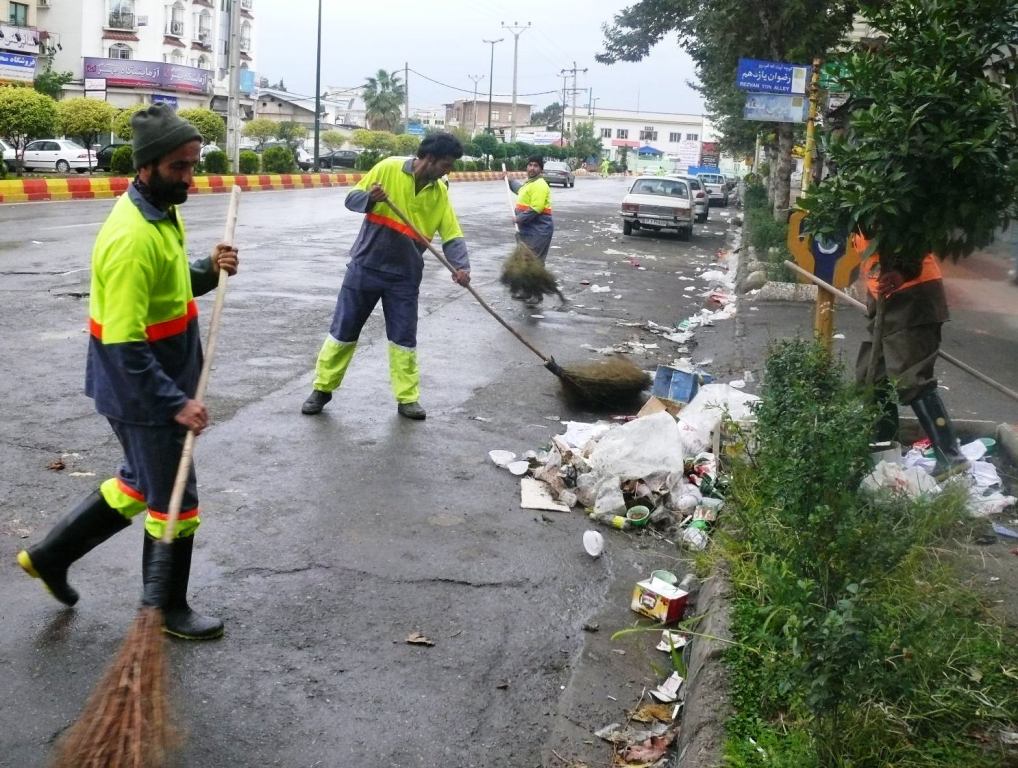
point(415, 129)
point(158, 98)
point(772, 76)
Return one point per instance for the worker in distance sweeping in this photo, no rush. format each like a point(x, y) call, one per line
point(533, 213)
point(387, 265)
point(144, 360)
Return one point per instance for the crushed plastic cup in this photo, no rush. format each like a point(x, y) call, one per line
point(593, 543)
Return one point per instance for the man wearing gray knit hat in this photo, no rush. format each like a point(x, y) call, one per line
point(144, 358)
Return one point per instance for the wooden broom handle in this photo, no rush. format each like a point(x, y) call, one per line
point(476, 295)
point(186, 455)
point(509, 194)
point(949, 358)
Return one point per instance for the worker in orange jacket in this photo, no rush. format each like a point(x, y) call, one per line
point(915, 309)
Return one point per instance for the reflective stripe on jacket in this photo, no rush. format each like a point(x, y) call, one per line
point(384, 242)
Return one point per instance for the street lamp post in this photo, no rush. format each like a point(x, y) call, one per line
point(517, 30)
point(318, 84)
point(491, 74)
point(473, 109)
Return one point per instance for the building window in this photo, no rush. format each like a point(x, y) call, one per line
point(121, 14)
point(692, 137)
point(648, 133)
point(175, 24)
point(19, 14)
point(245, 36)
point(606, 133)
point(674, 138)
point(204, 28)
point(203, 62)
point(494, 115)
point(120, 51)
point(621, 133)
point(176, 57)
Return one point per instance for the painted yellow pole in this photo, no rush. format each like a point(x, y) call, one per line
point(823, 316)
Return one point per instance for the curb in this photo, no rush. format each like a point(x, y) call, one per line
point(706, 706)
point(88, 188)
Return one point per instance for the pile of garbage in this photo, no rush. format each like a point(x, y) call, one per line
point(655, 471)
point(911, 473)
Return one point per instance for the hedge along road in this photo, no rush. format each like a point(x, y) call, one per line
point(327, 541)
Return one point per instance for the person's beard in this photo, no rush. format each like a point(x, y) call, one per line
point(165, 191)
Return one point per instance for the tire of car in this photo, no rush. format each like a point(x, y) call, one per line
point(627, 227)
point(572, 184)
point(63, 166)
point(686, 233)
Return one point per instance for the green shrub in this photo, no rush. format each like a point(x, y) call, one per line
point(366, 160)
point(122, 161)
point(215, 161)
point(249, 161)
point(278, 160)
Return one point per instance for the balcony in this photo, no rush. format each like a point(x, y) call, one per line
point(245, 43)
point(121, 21)
point(247, 5)
point(175, 28)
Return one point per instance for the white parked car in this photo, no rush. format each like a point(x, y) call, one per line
point(701, 204)
point(659, 202)
point(60, 155)
point(10, 155)
point(716, 185)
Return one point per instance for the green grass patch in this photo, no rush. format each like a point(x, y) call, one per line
point(854, 643)
point(767, 236)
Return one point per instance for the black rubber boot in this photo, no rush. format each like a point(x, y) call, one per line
point(85, 527)
point(315, 402)
point(179, 620)
point(412, 410)
point(933, 418)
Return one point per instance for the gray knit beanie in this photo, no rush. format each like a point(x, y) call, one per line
point(158, 131)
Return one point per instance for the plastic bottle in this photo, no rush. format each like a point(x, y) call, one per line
point(608, 518)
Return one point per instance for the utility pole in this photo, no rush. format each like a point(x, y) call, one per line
point(318, 85)
point(574, 71)
point(517, 30)
point(406, 95)
point(476, 79)
point(562, 119)
point(233, 99)
point(491, 74)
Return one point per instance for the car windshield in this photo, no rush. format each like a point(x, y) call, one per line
point(694, 184)
point(669, 187)
point(556, 167)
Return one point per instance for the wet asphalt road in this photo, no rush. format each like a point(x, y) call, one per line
point(327, 541)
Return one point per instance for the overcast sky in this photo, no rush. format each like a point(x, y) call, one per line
point(442, 40)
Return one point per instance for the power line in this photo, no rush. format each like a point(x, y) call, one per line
point(469, 90)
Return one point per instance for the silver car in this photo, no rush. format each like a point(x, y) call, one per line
point(559, 173)
point(701, 203)
point(716, 186)
point(658, 202)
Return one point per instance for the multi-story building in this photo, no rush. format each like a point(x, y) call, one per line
point(648, 139)
point(19, 41)
point(473, 115)
point(133, 52)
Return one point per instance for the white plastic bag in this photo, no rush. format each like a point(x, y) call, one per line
point(639, 449)
point(706, 410)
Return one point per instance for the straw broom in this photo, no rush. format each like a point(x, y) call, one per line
point(523, 271)
point(125, 723)
point(605, 383)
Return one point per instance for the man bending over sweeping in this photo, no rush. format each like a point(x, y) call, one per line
point(386, 263)
point(144, 358)
point(533, 210)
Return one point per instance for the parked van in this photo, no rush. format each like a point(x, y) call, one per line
point(716, 186)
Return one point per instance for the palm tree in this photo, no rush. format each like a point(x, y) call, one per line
point(383, 100)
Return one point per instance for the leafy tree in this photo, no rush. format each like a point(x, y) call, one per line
point(332, 139)
point(261, 129)
point(550, 115)
point(122, 128)
point(209, 124)
point(383, 100)
point(85, 119)
point(586, 144)
point(52, 83)
point(930, 159)
point(407, 144)
point(290, 132)
point(486, 145)
point(381, 142)
point(25, 114)
point(716, 33)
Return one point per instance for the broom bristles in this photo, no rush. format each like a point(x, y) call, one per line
point(525, 273)
point(124, 723)
point(606, 382)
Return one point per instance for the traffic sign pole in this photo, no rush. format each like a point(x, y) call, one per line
point(823, 315)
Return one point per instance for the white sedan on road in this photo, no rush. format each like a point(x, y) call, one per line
point(659, 202)
point(60, 155)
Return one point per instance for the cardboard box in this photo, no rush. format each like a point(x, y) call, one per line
point(659, 600)
point(678, 385)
